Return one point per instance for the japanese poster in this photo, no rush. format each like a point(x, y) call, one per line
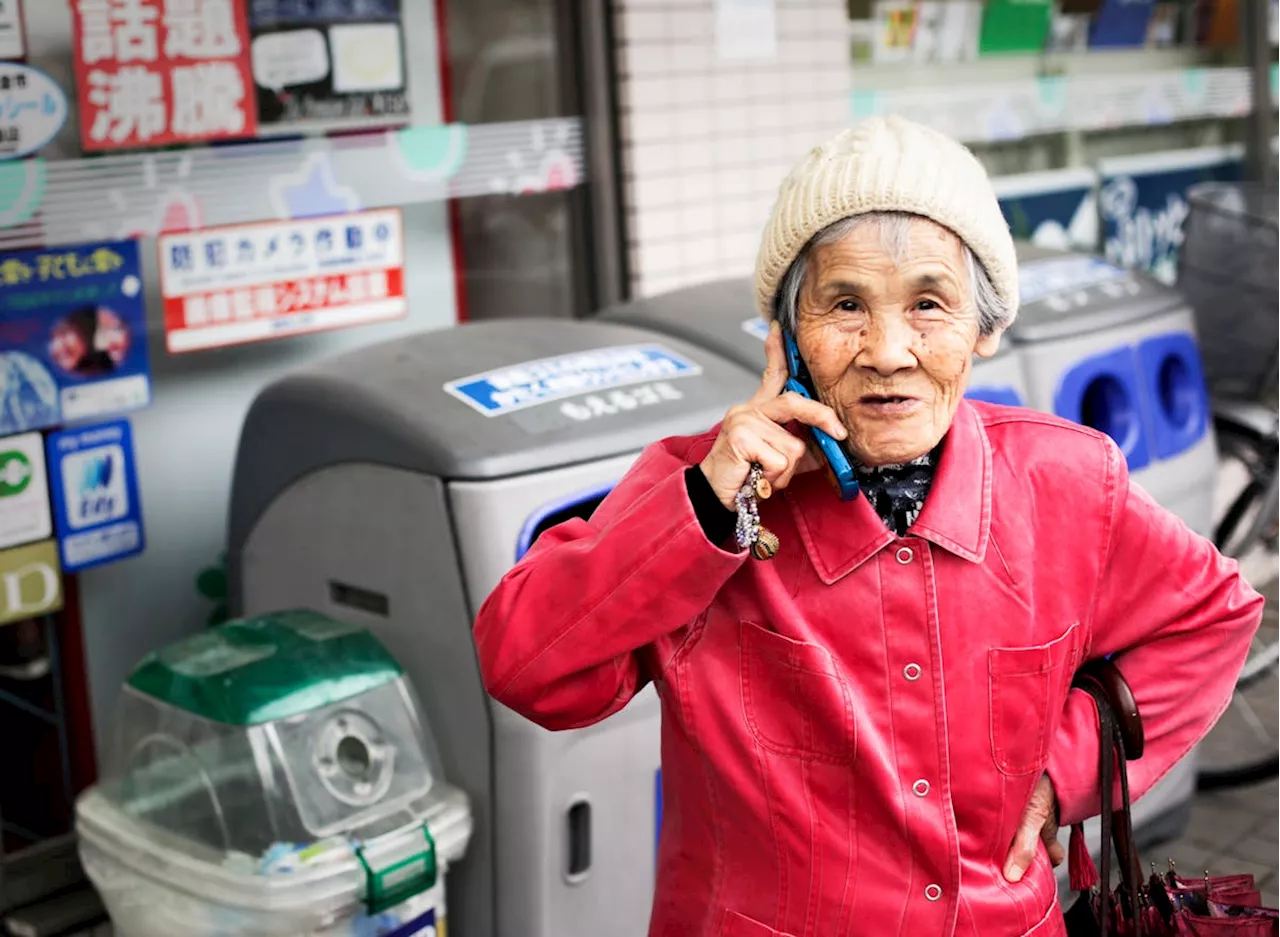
point(95, 494)
point(156, 72)
point(329, 60)
point(74, 335)
point(32, 109)
point(231, 285)
point(1143, 203)
point(12, 44)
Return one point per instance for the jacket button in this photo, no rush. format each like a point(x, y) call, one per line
point(921, 787)
point(933, 892)
point(911, 671)
point(905, 555)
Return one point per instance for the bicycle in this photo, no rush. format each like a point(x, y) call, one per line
point(1227, 271)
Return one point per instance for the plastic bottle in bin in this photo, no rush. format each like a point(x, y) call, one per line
point(272, 776)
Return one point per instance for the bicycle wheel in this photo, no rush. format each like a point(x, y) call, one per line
point(1243, 748)
point(1247, 468)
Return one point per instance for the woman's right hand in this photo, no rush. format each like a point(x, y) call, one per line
point(753, 432)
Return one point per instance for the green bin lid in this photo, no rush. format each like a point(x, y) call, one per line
point(255, 670)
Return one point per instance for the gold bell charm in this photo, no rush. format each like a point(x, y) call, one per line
point(766, 545)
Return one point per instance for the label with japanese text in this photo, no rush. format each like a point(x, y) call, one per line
point(32, 109)
point(154, 72)
point(231, 285)
point(73, 335)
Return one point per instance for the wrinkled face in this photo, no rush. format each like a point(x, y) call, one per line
point(889, 345)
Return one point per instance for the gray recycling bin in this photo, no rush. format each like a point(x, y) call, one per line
point(721, 316)
point(392, 487)
point(1116, 350)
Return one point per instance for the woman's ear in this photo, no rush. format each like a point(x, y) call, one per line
point(988, 345)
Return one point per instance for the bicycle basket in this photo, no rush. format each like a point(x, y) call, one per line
point(1227, 271)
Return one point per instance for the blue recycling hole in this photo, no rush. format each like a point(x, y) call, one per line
point(1179, 397)
point(1107, 408)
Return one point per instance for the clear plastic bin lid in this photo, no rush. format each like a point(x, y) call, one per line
point(256, 742)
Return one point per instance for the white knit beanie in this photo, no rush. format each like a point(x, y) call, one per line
point(887, 164)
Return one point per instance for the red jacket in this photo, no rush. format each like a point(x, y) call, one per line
point(852, 730)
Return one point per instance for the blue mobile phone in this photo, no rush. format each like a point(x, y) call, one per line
point(837, 462)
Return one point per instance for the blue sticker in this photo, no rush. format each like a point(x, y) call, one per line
point(271, 13)
point(96, 509)
point(32, 110)
point(996, 393)
point(530, 383)
point(757, 327)
point(73, 334)
point(424, 925)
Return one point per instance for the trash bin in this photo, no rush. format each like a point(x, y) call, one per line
point(394, 486)
point(1116, 350)
point(272, 777)
point(721, 316)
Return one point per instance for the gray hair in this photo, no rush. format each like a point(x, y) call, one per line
point(894, 229)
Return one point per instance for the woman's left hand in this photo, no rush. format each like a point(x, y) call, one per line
point(1039, 822)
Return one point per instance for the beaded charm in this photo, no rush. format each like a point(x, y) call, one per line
point(762, 541)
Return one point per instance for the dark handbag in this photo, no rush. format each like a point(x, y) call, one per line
point(1165, 905)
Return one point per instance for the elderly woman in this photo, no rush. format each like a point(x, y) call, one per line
point(874, 732)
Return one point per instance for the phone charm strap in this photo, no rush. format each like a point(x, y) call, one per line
point(762, 541)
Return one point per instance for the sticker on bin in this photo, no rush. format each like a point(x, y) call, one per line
point(95, 494)
point(757, 327)
point(24, 493)
point(1040, 279)
point(424, 925)
point(506, 390)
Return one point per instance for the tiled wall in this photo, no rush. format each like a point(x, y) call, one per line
point(708, 136)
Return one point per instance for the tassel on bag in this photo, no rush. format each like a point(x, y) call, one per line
point(1080, 868)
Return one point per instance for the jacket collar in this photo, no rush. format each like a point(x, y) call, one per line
point(841, 535)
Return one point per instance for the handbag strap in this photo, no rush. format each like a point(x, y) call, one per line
point(1117, 825)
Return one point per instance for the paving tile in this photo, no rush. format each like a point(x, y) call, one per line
point(1188, 858)
point(1270, 828)
point(1257, 799)
point(1261, 849)
point(1216, 827)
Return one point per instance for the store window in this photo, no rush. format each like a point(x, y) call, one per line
point(195, 199)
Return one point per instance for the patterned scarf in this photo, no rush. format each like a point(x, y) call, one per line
point(897, 492)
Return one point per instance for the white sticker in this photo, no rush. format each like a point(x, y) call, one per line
point(32, 110)
point(24, 491)
point(366, 57)
point(297, 57)
point(757, 327)
point(11, 44)
point(619, 401)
